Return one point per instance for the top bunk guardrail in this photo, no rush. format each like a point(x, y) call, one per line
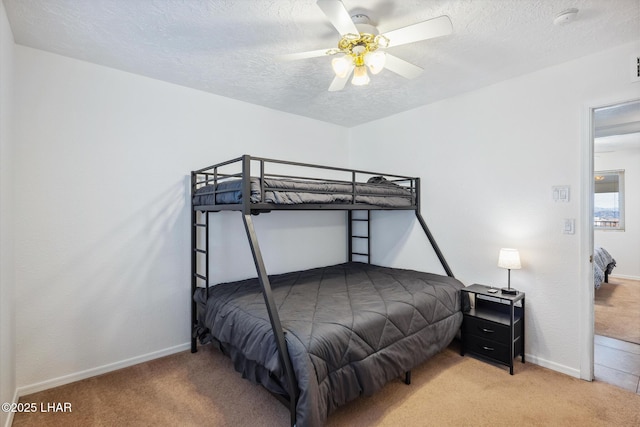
point(257, 184)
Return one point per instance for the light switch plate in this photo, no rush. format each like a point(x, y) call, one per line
point(561, 193)
point(568, 226)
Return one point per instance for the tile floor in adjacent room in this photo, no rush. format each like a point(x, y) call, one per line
point(617, 362)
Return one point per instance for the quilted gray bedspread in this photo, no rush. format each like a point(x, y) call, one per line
point(603, 265)
point(293, 192)
point(349, 329)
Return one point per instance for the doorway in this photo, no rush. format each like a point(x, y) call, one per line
point(615, 233)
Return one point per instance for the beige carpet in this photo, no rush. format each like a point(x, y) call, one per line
point(617, 309)
point(202, 389)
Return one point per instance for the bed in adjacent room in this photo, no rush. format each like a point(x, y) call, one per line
point(603, 264)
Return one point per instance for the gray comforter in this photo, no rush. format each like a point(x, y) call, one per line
point(349, 329)
point(602, 266)
point(293, 192)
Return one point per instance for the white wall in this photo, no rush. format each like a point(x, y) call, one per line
point(624, 246)
point(7, 278)
point(101, 169)
point(489, 160)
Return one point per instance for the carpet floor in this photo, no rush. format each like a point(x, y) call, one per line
point(202, 389)
point(617, 309)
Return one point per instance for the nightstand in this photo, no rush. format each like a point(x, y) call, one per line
point(494, 328)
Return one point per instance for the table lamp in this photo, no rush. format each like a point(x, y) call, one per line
point(509, 259)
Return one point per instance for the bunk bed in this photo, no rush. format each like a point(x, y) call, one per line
point(318, 338)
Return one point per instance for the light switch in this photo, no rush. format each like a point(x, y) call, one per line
point(561, 193)
point(568, 226)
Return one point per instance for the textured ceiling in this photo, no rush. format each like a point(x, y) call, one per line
point(229, 47)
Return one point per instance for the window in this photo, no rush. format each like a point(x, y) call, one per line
point(608, 200)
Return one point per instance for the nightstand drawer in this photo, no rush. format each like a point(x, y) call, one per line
point(486, 329)
point(488, 348)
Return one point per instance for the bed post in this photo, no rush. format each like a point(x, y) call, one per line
point(273, 315)
point(350, 235)
point(194, 316)
point(432, 240)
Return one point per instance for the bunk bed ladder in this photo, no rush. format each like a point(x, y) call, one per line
point(357, 235)
point(198, 253)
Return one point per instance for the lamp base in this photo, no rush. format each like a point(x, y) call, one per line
point(509, 291)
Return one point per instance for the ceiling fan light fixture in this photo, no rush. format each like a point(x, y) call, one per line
point(341, 65)
point(360, 76)
point(375, 61)
point(361, 41)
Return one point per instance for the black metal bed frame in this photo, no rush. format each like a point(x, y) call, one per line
point(213, 175)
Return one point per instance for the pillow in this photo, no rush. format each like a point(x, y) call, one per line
point(377, 180)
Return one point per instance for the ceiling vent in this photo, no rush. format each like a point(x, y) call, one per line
point(635, 68)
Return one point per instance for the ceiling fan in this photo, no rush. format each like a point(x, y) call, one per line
point(362, 46)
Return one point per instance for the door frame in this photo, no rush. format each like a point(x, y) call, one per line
point(587, 290)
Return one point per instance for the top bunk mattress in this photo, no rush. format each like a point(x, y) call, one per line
point(277, 191)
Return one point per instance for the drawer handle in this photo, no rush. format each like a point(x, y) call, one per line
point(487, 348)
point(487, 331)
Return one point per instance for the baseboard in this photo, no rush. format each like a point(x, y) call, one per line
point(77, 376)
point(9, 420)
point(623, 276)
point(572, 372)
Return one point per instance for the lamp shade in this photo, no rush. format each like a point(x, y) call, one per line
point(360, 76)
point(341, 66)
point(375, 61)
point(509, 258)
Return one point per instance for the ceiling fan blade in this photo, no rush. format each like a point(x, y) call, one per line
point(304, 55)
point(435, 27)
point(338, 15)
point(339, 83)
point(402, 67)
